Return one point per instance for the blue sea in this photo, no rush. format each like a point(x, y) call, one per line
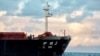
point(80, 54)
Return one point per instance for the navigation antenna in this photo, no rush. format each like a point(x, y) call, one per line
point(47, 14)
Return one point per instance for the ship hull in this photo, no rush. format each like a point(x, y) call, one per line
point(32, 47)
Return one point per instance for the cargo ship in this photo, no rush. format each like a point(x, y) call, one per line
point(46, 44)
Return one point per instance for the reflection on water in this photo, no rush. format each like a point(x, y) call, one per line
point(81, 54)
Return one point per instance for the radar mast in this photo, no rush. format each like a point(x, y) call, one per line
point(47, 14)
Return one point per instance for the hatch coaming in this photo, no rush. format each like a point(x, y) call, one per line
point(12, 36)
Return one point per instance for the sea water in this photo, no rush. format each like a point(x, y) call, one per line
point(80, 54)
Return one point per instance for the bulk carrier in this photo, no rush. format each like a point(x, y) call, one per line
point(46, 44)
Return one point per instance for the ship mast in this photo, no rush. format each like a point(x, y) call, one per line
point(47, 14)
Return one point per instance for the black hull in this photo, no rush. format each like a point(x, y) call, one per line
point(32, 47)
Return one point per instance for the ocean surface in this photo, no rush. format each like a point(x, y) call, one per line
point(80, 54)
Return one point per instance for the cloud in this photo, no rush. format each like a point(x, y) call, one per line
point(30, 24)
point(2, 13)
point(14, 22)
point(21, 6)
point(76, 13)
point(87, 32)
point(34, 8)
point(8, 6)
point(87, 38)
point(2, 27)
point(79, 15)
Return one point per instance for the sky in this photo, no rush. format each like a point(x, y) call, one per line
point(80, 19)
